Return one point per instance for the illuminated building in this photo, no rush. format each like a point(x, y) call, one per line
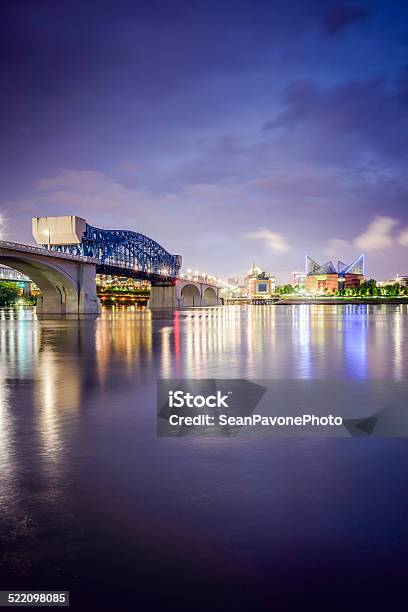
point(327, 279)
point(120, 289)
point(401, 279)
point(108, 281)
point(259, 283)
point(298, 279)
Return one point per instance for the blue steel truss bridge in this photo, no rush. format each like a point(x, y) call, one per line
point(118, 252)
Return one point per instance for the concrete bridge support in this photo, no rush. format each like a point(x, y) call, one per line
point(67, 284)
point(163, 296)
point(184, 294)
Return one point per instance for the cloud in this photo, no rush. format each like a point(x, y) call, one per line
point(337, 247)
point(340, 17)
point(86, 182)
point(378, 235)
point(403, 237)
point(275, 242)
point(350, 122)
point(197, 218)
point(197, 221)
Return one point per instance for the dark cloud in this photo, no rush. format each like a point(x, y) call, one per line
point(347, 122)
point(340, 17)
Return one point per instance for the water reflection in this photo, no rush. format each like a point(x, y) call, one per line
point(286, 342)
point(69, 360)
point(122, 335)
point(71, 388)
point(50, 368)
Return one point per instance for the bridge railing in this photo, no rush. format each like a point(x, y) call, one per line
point(203, 277)
point(28, 248)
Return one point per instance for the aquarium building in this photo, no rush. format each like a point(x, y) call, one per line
point(327, 278)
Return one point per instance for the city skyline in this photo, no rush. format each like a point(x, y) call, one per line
point(225, 132)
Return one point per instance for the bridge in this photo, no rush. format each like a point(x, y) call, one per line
point(67, 283)
point(9, 275)
point(72, 252)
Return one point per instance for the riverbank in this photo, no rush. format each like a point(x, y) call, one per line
point(123, 300)
point(333, 300)
point(344, 300)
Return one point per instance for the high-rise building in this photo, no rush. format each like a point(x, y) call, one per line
point(327, 279)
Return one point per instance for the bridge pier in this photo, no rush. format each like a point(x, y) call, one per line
point(88, 301)
point(61, 297)
point(163, 296)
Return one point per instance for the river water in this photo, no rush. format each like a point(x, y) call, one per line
point(93, 502)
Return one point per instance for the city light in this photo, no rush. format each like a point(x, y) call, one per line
point(198, 276)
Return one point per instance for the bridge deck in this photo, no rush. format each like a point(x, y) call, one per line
point(101, 268)
point(28, 248)
point(110, 270)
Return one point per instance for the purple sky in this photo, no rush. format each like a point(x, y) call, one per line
point(226, 130)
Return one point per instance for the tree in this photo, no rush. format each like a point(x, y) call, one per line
point(392, 290)
point(368, 288)
point(9, 293)
point(285, 289)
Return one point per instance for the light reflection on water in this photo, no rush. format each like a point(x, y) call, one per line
point(60, 363)
point(77, 412)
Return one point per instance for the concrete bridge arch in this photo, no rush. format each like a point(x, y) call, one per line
point(67, 284)
point(184, 294)
point(190, 295)
point(210, 297)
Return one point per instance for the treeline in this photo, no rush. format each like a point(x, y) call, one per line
point(370, 287)
point(366, 289)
